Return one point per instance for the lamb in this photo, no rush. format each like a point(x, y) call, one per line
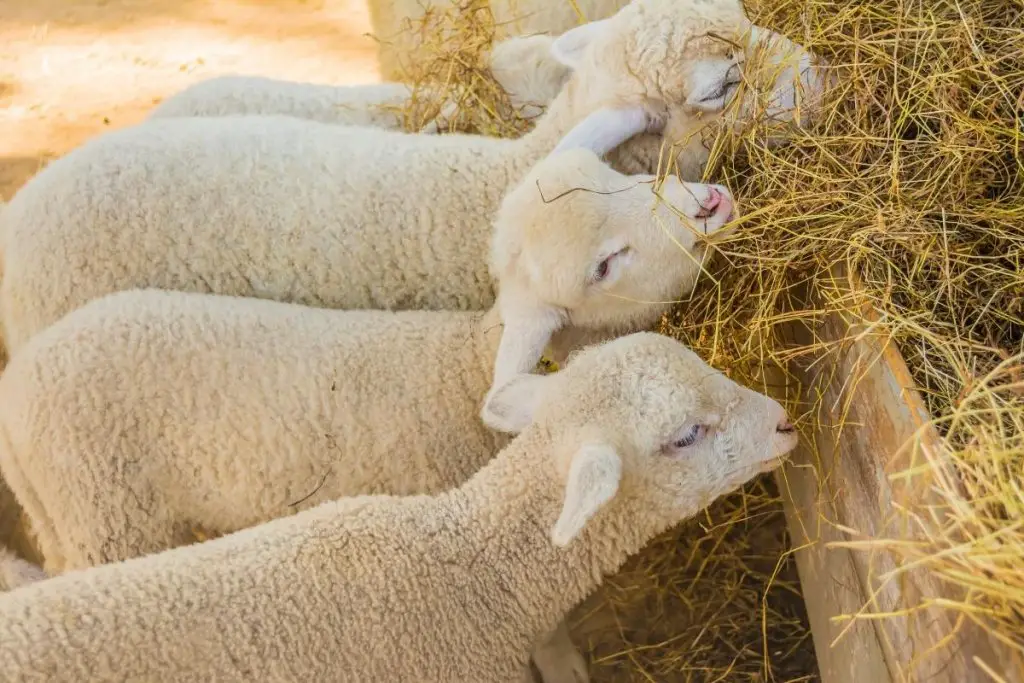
point(398, 46)
point(605, 256)
point(370, 104)
point(527, 70)
point(114, 402)
point(344, 217)
point(632, 437)
point(391, 21)
point(521, 65)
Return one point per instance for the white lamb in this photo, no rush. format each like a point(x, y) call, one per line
point(147, 412)
point(347, 217)
point(631, 438)
point(151, 448)
point(370, 104)
point(398, 46)
point(394, 24)
point(522, 65)
point(531, 75)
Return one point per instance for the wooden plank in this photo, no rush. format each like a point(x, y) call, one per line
point(829, 580)
point(866, 431)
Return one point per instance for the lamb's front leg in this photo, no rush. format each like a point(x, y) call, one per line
point(557, 658)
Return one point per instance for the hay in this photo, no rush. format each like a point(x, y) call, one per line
point(912, 178)
point(449, 64)
point(716, 599)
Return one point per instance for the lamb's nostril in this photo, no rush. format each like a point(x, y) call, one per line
point(710, 204)
point(714, 197)
point(785, 427)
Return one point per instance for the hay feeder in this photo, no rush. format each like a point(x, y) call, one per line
point(876, 614)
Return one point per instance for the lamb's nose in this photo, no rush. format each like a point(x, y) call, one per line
point(785, 426)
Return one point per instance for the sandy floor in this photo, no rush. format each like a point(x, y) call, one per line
point(70, 69)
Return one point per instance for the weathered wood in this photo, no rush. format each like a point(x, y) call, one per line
point(872, 423)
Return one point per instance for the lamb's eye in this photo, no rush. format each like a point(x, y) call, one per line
point(604, 268)
point(695, 433)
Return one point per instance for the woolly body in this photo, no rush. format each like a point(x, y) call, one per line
point(373, 104)
point(347, 217)
point(109, 438)
point(218, 412)
point(522, 66)
point(269, 227)
point(452, 587)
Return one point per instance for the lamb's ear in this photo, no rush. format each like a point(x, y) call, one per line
point(511, 407)
point(605, 129)
point(570, 47)
point(594, 475)
point(528, 329)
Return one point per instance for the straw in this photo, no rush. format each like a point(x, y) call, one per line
point(449, 65)
point(911, 178)
point(716, 599)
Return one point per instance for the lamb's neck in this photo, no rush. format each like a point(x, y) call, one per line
point(511, 506)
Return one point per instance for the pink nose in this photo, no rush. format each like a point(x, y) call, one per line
point(713, 200)
point(716, 202)
point(785, 426)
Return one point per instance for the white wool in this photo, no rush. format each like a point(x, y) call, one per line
point(459, 586)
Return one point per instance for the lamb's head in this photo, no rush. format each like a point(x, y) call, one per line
point(524, 67)
point(644, 431)
point(655, 65)
point(577, 243)
point(674, 66)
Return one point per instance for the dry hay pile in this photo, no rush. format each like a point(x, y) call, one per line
point(716, 599)
point(911, 179)
point(458, 39)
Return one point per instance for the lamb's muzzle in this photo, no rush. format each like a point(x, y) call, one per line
point(708, 208)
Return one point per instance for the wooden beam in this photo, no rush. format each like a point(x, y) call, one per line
point(873, 423)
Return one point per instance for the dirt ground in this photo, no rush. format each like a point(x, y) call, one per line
point(70, 69)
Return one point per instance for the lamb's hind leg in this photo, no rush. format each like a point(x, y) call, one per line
point(557, 658)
